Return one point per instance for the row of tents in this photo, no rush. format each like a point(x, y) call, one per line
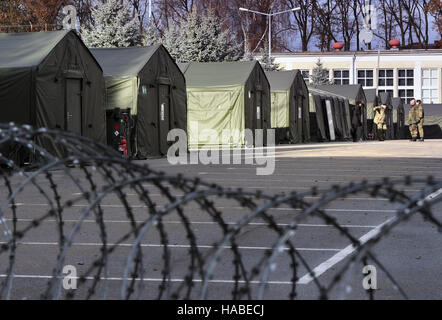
point(132, 97)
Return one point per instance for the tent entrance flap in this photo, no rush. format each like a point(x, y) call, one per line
point(216, 118)
point(164, 117)
point(280, 109)
point(329, 112)
point(73, 110)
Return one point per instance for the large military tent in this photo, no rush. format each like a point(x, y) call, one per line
point(224, 99)
point(50, 79)
point(354, 93)
point(341, 112)
point(432, 121)
point(290, 106)
point(386, 99)
point(372, 101)
point(327, 111)
point(398, 118)
point(146, 82)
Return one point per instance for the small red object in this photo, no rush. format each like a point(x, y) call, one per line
point(123, 146)
point(117, 127)
point(338, 46)
point(395, 43)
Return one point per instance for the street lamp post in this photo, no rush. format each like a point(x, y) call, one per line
point(269, 17)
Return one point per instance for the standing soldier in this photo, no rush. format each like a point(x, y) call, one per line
point(356, 122)
point(416, 120)
point(380, 122)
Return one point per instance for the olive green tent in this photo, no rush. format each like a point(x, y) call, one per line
point(372, 101)
point(398, 118)
point(318, 131)
point(290, 106)
point(432, 121)
point(354, 93)
point(51, 80)
point(328, 115)
point(386, 99)
point(224, 99)
point(146, 81)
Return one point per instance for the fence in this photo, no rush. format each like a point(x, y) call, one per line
point(96, 180)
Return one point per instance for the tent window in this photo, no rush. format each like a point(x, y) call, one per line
point(144, 89)
point(250, 94)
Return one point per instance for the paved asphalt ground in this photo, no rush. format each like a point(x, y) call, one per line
point(412, 253)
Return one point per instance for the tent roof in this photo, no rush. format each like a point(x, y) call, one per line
point(385, 97)
point(429, 109)
point(281, 80)
point(350, 91)
point(27, 49)
point(217, 74)
point(396, 102)
point(123, 61)
point(371, 95)
point(315, 90)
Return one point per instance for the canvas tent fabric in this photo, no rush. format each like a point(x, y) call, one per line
point(340, 110)
point(372, 101)
point(148, 82)
point(290, 105)
point(325, 110)
point(432, 121)
point(354, 93)
point(398, 118)
point(224, 99)
point(386, 99)
point(51, 80)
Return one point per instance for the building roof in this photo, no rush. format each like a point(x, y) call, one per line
point(118, 62)
point(363, 53)
point(211, 74)
point(27, 49)
point(281, 80)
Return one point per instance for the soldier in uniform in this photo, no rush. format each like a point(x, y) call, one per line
point(356, 122)
point(380, 121)
point(416, 120)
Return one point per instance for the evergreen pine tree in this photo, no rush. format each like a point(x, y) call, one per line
point(320, 75)
point(201, 39)
point(113, 27)
point(266, 63)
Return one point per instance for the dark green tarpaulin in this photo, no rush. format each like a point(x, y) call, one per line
point(340, 111)
point(398, 118)
point(50, 79)
point(290, 105)
point(225, 98)
point(432, 121)
point(147, 81)
point(354, 93)
point(372, 101)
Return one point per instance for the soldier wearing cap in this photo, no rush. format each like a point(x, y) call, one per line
point(380, 121)
point(416, 120)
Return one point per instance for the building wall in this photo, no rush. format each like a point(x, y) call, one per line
point(409, 70)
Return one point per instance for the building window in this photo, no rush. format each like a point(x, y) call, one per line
point(430, 89)
point(306, 75)
point(386, 78)
point(341, 77)
point(406, 84)
point(365, 78)
point(390, 91)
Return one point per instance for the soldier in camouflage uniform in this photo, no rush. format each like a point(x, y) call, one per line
point(416, 120)
point(380, 121)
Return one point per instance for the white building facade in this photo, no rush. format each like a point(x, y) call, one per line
point(405, 73)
